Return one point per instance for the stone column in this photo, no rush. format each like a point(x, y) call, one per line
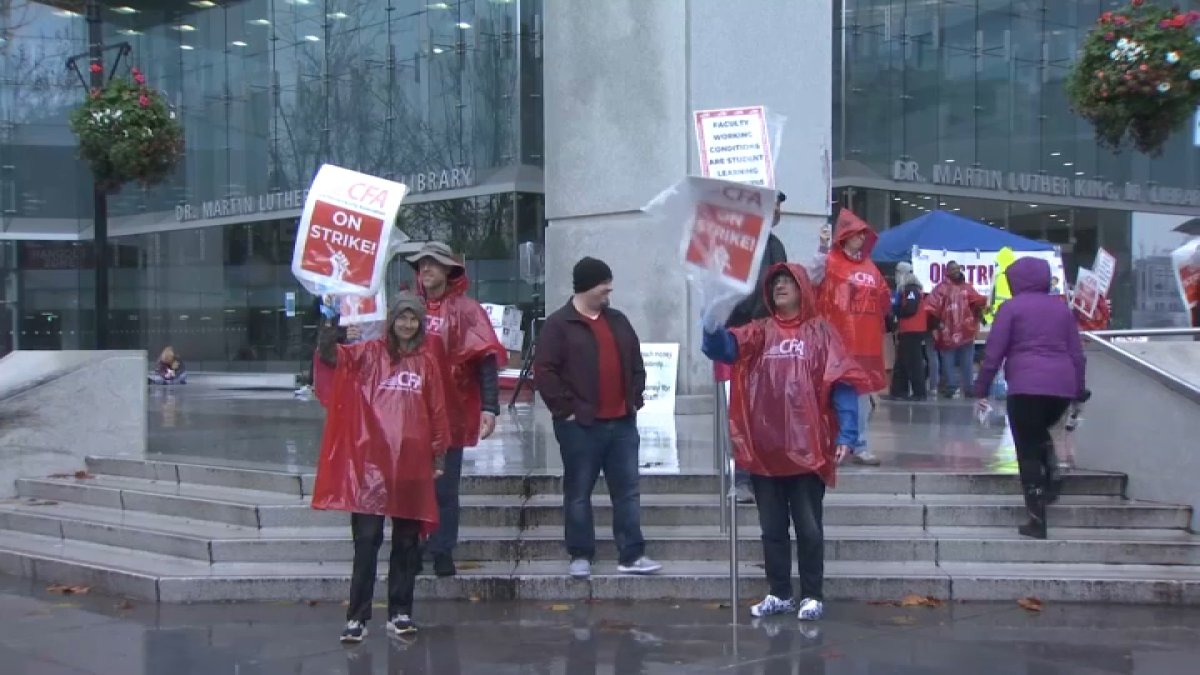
point(622, 78)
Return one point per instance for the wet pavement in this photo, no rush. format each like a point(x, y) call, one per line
point(49, 634)
point(256, 428)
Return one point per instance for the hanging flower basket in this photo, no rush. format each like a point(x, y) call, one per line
point(1138, 75)
point(127, 133)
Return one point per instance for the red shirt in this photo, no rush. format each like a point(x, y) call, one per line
point(612, 404)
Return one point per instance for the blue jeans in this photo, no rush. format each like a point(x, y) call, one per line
point(864, 423)
point(962, 358)
point(610, 446)
point(934, 363)
point(445, 538)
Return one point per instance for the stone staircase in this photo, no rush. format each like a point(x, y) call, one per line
point(180, 532)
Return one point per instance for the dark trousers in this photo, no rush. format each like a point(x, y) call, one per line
point(1031, 417)
point(783, 502)
point(610, 446)
point(445, 538)
point(908, 374)
point(402, 567)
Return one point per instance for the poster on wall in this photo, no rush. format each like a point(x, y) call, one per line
point(979, 267)
point(1157, 302)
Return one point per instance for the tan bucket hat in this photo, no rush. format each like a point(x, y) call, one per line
point(439, 252)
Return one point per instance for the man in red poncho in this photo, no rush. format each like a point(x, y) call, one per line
point(853, 296)
point(473, 357)
point(793, 416)
point(957, 309)
point(384, 442)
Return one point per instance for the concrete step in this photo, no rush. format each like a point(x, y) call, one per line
point(267, 509)
point(851, 480)
point(256, 508)
point(172, 579)
point(221, 542)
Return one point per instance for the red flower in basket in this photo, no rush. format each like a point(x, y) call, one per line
point(144, 101)
point(1138, 3)
point(96, 68)
point(138, 76)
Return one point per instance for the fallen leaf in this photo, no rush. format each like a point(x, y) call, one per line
point(124, 605)
point(313, 603)
point(83, 475)
point(716, 605)
point(41, 502)
point(883, 603)
point(63, 589)
point(1031, 604)
point(614, 626)
point(902, 620)
point(468, 566)
point(920, 601)
point(558, 608)
point(473, 598)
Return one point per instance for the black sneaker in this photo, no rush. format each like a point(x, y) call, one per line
point(355, 632)
point(443, 565)
point(401, 624)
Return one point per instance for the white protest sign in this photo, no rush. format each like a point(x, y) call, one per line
point(345, 231)
point(1105, 269)
point(659, 452)
point(360, 309)
point(1088, 289)
point(727, 228)
point(979, 267)
point(735, 145)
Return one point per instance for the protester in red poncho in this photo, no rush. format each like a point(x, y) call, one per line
point(385, 438)
point(1100, 316)
point(473, 357)
point(853, 296)
point(958, 311)
point(793, 417)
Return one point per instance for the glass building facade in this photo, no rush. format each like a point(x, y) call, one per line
point(443, 96)
point(960, 105)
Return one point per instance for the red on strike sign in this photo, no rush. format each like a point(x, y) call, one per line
point(724, 241)
point(342, 244)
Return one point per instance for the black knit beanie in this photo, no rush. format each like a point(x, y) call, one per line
point(590, 273)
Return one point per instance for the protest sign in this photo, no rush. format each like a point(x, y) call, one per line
point(979, 267)
point(726, 232)
point(659, 452)
point(1105, 269)
point(360, 309)
point(1185, 261)
point(735, 145)
point(1088, 289)
point(345, 232)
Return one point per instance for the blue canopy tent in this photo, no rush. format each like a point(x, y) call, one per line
point(948, 232)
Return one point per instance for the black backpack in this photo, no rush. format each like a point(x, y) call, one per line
point(910, 302)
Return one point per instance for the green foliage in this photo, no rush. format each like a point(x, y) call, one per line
point(1137, 78)
point(128, 133)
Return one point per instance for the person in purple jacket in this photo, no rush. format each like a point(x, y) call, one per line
point(1037, 340)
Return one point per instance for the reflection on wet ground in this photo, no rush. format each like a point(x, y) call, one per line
point(274, 428)
point(81, 635)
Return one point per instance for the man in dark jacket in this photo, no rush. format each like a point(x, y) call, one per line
point(752, 308)
point(590, 374)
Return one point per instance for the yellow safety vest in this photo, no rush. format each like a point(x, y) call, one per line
point(1000, 290)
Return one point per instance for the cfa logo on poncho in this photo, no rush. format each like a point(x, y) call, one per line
point(863, 279)
point(402, 381)
point(434, 324)
point(786, 349)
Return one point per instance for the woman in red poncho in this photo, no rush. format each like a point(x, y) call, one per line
point(384, 442)
point(853, 296)
point(793, 417)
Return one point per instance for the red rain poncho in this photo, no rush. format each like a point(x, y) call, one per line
point(957, 307)
point(385, 425)
point(464, 332)
point(781, 418)
point(854, 297)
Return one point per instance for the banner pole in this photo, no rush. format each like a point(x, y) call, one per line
point(733, 532)
point(720, 424)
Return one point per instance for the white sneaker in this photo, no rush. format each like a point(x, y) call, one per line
point(355, 632)
point(642, 565)
point(811, 610)
point(581, 568)
point(773, 605)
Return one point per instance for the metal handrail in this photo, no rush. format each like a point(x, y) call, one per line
point(1101, 339)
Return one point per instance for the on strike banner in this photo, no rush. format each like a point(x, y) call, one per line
point(727, 229)
point(1088, 289)
point(1105, 268)
point(978, 266)
point(735, 145)
point(1186, 262)
point(345, 231)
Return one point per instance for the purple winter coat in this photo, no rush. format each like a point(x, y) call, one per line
point(1035, 336)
